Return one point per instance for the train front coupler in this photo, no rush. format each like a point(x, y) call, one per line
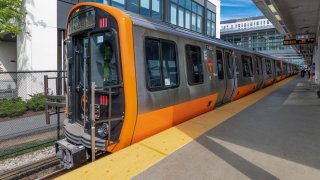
point(71, 155)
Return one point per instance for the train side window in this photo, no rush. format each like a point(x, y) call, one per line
point(194, 65)
point(169, 64)
point(228, 60)
point(258, 62)
point(268, 67)
point(161, 62)
point(261, 67)
point(247, 67)
point(220, 65)
point(153, 63)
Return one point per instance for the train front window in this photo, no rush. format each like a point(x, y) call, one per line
point(104, 64)
point(83, 46)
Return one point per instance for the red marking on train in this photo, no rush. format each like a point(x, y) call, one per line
point(103, 22)
point(104, 100)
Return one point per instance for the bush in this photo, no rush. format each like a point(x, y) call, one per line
point(37, 102)
point(12, 107)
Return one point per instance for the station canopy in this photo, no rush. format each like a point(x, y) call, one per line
point(297, 20)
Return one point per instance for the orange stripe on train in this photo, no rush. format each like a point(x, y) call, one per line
point(244, 90)
point(151, 123)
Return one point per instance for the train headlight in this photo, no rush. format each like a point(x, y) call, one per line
point(103, 130)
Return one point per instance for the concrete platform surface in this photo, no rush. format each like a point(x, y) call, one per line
point(276, 138)
point(270, 134)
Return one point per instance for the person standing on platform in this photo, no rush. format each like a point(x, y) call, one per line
point(308, 71)
point(302, 72)
point(313, 70)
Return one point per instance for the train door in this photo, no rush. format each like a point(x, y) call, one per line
point(259, 71)
point(230, 80)
point(221, 80)
point(81, 44)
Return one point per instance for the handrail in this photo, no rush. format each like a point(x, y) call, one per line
point(93, 130)
point(108, 87)
point(109, 119)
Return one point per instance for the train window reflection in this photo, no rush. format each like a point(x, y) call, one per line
point(278, 68)
point(229, 61)
point(220, 65)
point(153, 64)
point(194, 65)
point(162, 69)
point(104, 64)
point(247, 67)
point(268, 67)
point(84, 49)
point(170, 70)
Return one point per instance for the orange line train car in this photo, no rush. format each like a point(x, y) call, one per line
point(131, 77)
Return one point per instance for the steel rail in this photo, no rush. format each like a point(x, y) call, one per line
point(29, 169)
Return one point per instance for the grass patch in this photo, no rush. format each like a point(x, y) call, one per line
point(32, 146)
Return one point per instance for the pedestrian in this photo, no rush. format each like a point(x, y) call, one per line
point(308, 71)
point(313, 70)
point(302, 72)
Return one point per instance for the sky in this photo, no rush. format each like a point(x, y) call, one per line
point(236, 9)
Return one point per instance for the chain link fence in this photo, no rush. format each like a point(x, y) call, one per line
point(23, 127)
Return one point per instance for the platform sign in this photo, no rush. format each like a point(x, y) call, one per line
point(300, 41)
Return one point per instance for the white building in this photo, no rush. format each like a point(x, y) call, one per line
point(245, 23)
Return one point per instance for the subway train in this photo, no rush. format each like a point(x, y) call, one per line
point(130, 77)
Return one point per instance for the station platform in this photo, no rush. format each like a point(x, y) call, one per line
point(271, 134)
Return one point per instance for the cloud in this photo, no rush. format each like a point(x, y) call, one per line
point(235, 9)
point(232, 5)
point(235, 3)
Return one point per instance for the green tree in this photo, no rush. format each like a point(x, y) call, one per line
point(11, 16)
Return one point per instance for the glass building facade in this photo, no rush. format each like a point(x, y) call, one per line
point(195, 15)
point(261, 40)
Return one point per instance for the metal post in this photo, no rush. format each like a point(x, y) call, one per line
point(58, 92)
point(46, 93)
point(93, 139)
point(109, 115)
point(84, 92)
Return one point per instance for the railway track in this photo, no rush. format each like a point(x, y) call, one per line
point(29, 169)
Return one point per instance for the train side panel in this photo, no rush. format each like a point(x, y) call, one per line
point(162, 109)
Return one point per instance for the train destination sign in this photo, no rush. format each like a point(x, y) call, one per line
point(300, 41)
point(82, 22)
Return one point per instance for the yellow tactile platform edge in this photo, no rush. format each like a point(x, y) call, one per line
point(131, 161)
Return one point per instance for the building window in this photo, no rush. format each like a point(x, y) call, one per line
point(118, 3)
point(247, 67)
point(187, 14)
point(149, 8)
point(220, 65)
point(211, 23)
point(156, 9)
point(133, 6)
point(194, 65)
point(161, 64)
point(173, 14)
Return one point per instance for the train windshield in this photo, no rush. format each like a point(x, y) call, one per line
point(104, 64)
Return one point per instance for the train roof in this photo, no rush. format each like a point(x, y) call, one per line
point(172, 29)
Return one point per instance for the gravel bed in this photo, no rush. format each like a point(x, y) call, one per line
point(12, 163)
